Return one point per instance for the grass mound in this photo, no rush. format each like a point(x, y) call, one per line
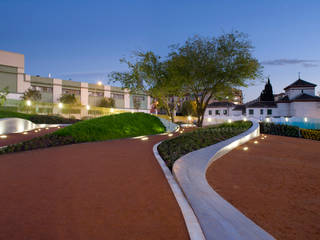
point(172, 149)
point(114, 126)
point(38, 119)
point(117, 126)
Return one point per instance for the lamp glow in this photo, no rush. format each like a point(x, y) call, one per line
point(170, 134)
point(88, 107)
point(25, 133)
point(112, 110)
point(28, 102)
point(305, 119)
point(229, 121)
point(209, 119)
point(245, 148)
point(144, 138)
point(3, 136)
point(286, 119)
point(244, 119)
point(99, 83)
point(267, 119)
point(255, 142)
point(189, 118)
point(60, 105)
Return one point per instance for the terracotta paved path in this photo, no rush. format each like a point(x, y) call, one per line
point(104, 190)
point(276, 183)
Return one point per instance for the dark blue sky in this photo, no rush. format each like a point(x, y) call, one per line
point(84, 40)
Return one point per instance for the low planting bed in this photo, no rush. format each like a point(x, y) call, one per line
point(116, 126)
point(38, 119)
point(289, 131)
point(172, 149)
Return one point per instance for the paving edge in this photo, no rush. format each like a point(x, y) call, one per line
point(192, 223)
point(218, 218)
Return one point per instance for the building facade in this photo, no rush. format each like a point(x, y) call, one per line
point(13, 76)
point(298, 100)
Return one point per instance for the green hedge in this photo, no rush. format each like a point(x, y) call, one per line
point(279, 129)
point(39, 119)
point(289, 131)
point(310, 134)
point(172, 149)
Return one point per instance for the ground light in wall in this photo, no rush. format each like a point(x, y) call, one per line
point(286, 119)
point(28, 103)
point(255, 142)
point(189, 118)
point(305, 119)
point(245, 149)
point(229, 121)
point(244, 119)
point(88, 107)
point(60, 105)
point(209, 119)
point(3, 136)
point(267, 119)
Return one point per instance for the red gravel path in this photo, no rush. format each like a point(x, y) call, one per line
point(276, 183)
point(103, 190)
point(20, 137)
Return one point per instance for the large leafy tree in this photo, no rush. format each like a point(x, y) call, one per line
point(211, 67)
point(158, 78)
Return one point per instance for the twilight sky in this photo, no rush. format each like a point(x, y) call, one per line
point(84, 40)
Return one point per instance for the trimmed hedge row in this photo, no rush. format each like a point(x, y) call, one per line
point(38, 119)
point(289, 131)
point(49, 140)
point(172, 149)
point(310, 134)
point(279, 129)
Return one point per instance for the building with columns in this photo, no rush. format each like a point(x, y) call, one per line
point(13, 76)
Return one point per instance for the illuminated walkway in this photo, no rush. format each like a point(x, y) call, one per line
point(275, 182)
point(103, 190)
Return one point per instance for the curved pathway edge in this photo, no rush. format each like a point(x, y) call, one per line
point(192, 223)
point(218, 218)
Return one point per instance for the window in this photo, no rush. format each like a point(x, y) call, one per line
point(70, 91)
point(217, 112)
point(251, 111)
point(269, 111)
point(42, 89)
point(261, 111)
point(225, 112)
point(117, 96)
point(96, 94)
point(210, 112)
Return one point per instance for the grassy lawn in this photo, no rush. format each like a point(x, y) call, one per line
point(38, 119)
point(172, 149)
point(116, 126)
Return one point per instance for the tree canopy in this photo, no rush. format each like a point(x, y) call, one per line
point(32, 95)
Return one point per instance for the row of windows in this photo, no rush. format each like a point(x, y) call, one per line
point(70, 91)
point(96, 93)
point(43, 89)
point(269, 111)
point(117, 96)
point(218, 112)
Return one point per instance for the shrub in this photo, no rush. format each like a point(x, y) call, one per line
point(107, 102)
point(310, 134)
point(172, 149)
point(279, 129)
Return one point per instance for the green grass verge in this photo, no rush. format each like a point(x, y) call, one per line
point(172, 149)
point(113, 127)
point(116, 126)
point(38, 119)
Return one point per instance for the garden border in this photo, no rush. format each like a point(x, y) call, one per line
point(218, 218)
point(192, 223)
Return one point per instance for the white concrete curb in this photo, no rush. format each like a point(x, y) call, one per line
point(190, 219)
point(218, 218)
